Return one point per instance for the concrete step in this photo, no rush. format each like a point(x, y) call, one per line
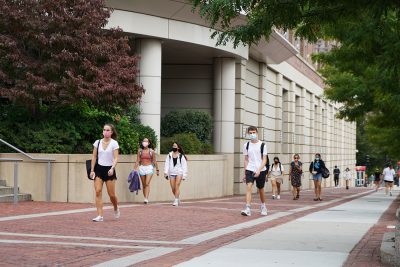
point(3, 183)
point(6, 190)
point(10, 197)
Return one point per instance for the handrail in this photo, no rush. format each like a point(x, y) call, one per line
point(24, 153)
point(15, 192)
point(48, 178)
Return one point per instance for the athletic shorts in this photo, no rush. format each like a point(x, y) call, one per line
point(102, 172)
point(145, 170)
point(260, 180)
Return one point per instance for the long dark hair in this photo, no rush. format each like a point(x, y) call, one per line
point(180, 149)
point(114, 134)
point(277, 159)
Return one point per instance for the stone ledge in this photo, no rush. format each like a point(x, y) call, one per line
point(388, 253)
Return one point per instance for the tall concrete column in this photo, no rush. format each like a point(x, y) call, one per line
point(279, 113)
point(150, 77)
point(224, 105)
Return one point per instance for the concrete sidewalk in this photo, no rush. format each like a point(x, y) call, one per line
point(323, 238)
point(208, 232)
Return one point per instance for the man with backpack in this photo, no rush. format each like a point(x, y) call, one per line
point(255, 159)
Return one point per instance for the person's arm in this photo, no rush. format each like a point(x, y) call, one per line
point(264, 161)
point(166, 166)
point(94, 156)
point(184, 167)
point(155, 163)
point(115, 161)
point(137, 160)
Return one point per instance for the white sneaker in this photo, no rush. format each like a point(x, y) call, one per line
point(246, 211)
point(98, 219)
point(146, 201)
point(264, 210)
point(278, 197)
point(176, 202)
point(117, 214)
point(273, 196)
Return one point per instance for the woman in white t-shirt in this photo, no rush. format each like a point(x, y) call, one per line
point(388, 177)
point(103, 170)
point(276, 174)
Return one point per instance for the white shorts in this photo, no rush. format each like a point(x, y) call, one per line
point(145, 170)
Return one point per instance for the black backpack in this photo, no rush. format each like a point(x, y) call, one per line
point(262, 151)
point(180, 157)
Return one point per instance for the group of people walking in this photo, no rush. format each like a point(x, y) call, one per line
point(257, 170)
point(105, 159)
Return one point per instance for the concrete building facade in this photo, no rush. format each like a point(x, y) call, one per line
point(268, 85)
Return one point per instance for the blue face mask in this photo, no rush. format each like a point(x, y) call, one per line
point(253, 136)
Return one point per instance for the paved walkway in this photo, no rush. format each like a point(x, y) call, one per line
point(201, 233)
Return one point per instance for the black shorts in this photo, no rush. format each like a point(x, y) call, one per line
point(390, 182)
point(102, 172)
point(260, 180)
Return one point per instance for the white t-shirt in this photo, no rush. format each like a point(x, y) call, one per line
point(388, 174)
point(275, 170)
point(347, 175)
point(106, 157)
point(254, 155)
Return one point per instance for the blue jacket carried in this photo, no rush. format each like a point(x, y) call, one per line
point(134, 181)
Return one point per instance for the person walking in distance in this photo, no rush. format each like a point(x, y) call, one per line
point(276, 173)
point(347, 177)
point(377, 180)
point(255, 158)
point(388, 177)
point(103, 170)
point(316, 168)
point(295, 173)
point(175, 170)
point(336, 174)
point(146, 161)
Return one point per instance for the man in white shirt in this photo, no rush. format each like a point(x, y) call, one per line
point(388, 175)
point(254, 168)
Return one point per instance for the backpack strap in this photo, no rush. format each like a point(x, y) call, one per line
point(280, 167)
point(247, 146)
point(180, 157)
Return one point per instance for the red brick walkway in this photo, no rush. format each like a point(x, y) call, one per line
point(74, 240)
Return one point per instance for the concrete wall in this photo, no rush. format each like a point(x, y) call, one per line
point(209, 176)
point(292, 117)
point(186, 86)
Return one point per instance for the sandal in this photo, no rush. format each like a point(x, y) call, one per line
point(297, 196)
point(320, 199)
point(316, 199)
point(294, 198)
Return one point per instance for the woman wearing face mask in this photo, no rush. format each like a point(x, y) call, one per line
point(106, 152)
point(146, 161)
point(316, 168)
point(276, 174)
point(175, 170)
point(295, 173)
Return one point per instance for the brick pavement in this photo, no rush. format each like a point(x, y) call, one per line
point(73, 240)
point(367, 252)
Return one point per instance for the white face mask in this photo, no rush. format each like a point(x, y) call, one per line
point(253, 136)
point(145, 144)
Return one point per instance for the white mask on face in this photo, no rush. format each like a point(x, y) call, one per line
point(253, 136)
point(145, 144)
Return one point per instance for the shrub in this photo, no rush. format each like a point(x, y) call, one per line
point(190, 143)
point(187, 121)
point(67, 130)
